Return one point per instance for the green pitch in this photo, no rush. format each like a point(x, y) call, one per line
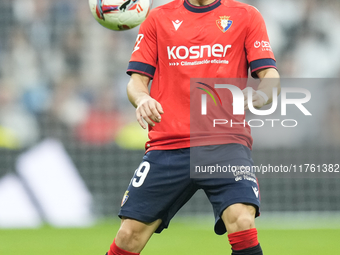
point(189, 238)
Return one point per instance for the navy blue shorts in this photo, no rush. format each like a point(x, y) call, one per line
point(162, 184)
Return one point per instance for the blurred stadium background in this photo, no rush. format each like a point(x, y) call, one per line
point(62, 78)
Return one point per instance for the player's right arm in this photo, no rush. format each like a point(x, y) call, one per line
point(142, 68)
point(147, 108)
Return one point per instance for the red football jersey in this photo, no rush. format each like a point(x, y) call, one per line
point(179, 41)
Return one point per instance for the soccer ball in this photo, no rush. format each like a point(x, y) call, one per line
point(120, 14)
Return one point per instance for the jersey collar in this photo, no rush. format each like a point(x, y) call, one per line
point(201, 9)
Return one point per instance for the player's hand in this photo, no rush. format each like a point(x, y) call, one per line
point(258, 100)
point(149, 110)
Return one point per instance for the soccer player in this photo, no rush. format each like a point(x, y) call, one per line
point(178, 41)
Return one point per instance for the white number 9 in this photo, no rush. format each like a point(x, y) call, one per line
point(141, 172)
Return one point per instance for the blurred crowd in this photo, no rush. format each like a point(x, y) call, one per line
point(63, 75)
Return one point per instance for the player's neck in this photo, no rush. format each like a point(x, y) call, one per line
point(201, 2)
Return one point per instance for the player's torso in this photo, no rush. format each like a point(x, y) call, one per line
point(202, 44)
point(192, 44)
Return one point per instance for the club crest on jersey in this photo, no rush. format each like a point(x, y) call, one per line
point(125, 198)
point(224, 23)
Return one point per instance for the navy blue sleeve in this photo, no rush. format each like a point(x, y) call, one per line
point(261, 64)
point(142, 68)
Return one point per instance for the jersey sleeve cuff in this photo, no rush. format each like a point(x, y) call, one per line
point(261, 64)
point(142, 68)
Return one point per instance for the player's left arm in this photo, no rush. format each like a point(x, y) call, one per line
point(270, 79)
point(261, 60)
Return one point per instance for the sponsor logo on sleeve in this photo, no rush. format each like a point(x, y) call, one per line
point(138, 40)
point(264, 45)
